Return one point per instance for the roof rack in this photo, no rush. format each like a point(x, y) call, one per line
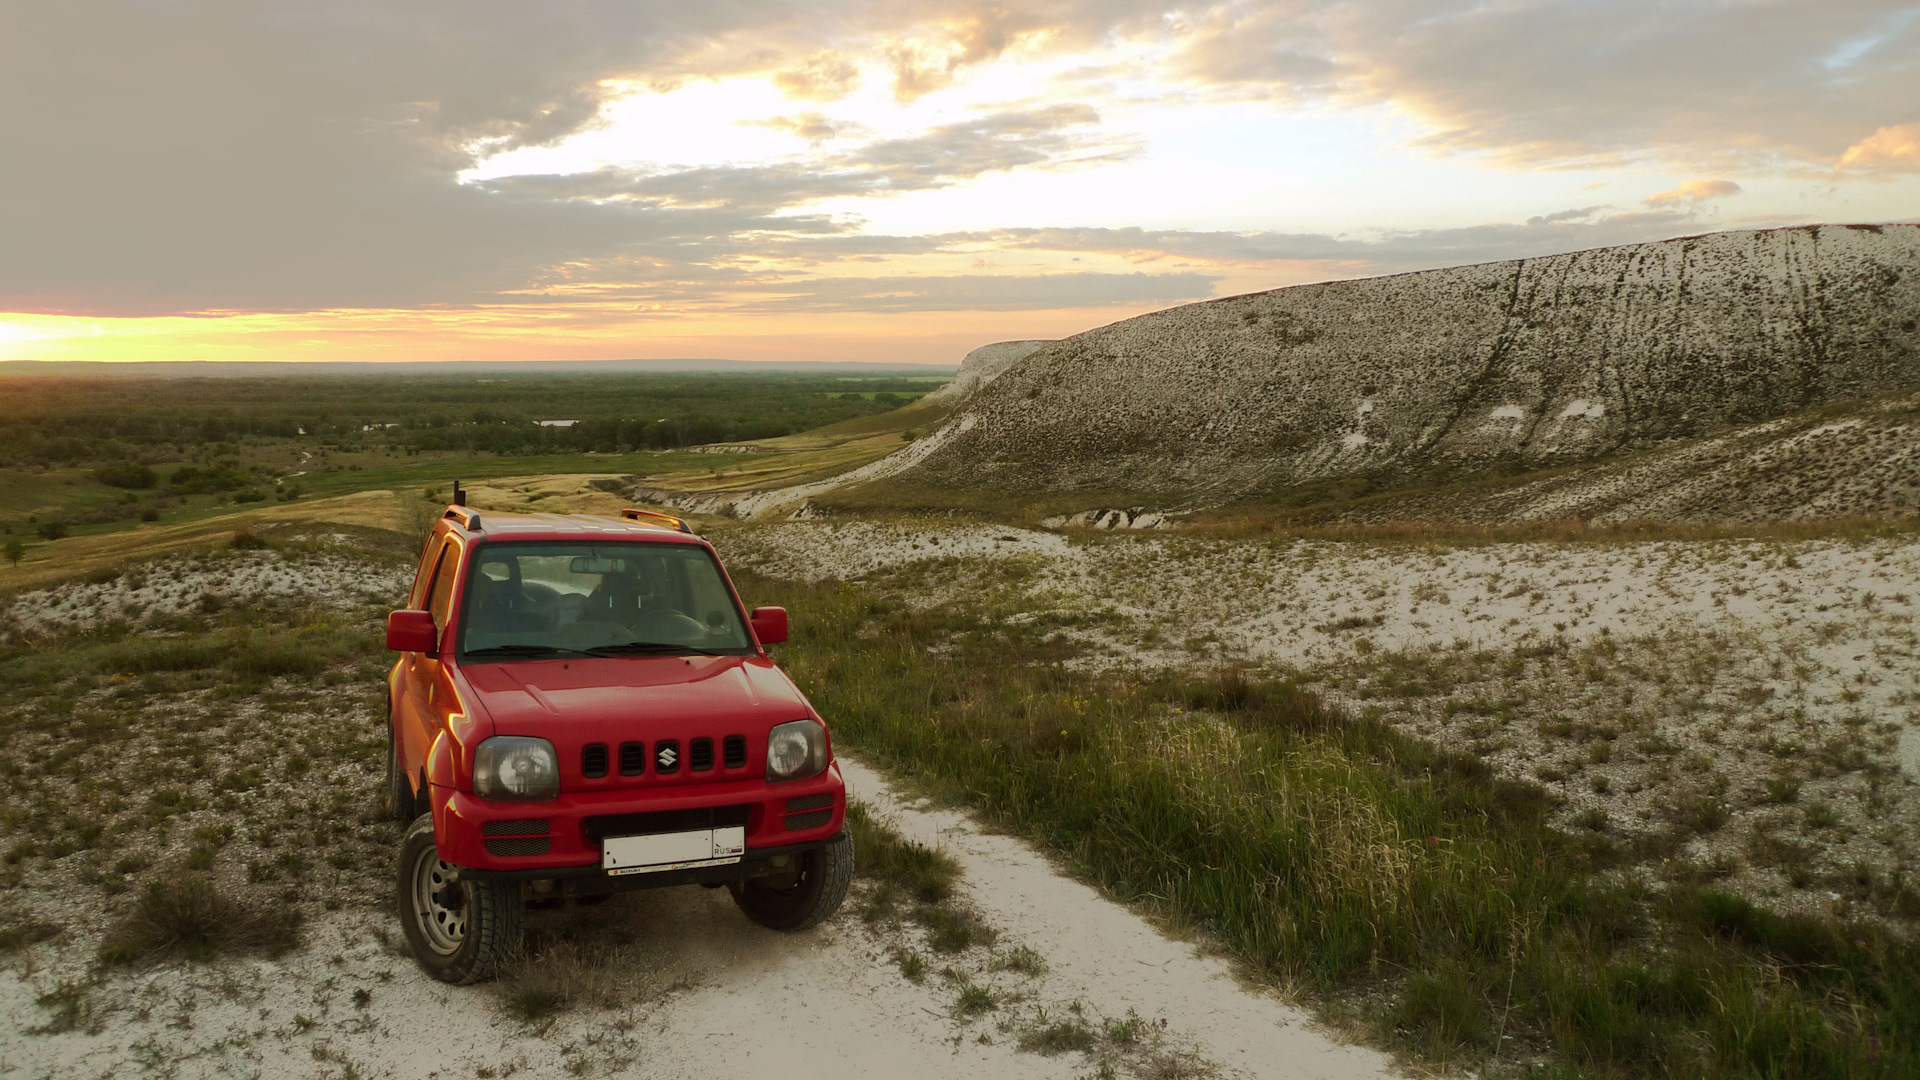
point(634, 513)
point(468, 519)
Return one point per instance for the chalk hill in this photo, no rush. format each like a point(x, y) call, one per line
point(1439, 376)
point(982, 366)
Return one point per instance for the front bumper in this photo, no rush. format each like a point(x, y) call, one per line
point(560, 838)
point(591, 880)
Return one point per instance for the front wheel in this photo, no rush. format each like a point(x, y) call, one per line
point(806, 895)
point(460, 931)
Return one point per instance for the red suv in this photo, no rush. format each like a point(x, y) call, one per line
point(582, 705)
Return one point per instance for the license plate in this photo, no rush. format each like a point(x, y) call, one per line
point(673, 851)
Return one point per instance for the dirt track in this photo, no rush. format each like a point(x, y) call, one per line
point(723, 998)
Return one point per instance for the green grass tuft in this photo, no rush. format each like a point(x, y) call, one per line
point(1071, 1035)
point(921, 872)
point(974, 1000)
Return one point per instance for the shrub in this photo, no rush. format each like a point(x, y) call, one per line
point(126, 475)
point(193, 480)
point(19, 935)
point(51, 530)
point(187, 918)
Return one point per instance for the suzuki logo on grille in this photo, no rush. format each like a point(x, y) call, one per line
point(667, 757)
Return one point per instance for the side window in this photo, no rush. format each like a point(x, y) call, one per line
point(711, 604)
point(443, 576)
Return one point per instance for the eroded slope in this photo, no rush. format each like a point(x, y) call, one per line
point(1447, 373)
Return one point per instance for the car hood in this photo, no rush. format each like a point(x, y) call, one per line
point(644, 696)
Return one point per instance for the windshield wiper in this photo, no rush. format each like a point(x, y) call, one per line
point(650, 648)
point(525, 650)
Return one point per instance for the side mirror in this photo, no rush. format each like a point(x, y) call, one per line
point(769, 624)
point(412, 631)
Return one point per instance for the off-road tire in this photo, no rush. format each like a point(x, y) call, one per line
point(459, 944)
point(806, 897)
point(399, 792)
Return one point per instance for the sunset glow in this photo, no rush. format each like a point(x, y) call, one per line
point(880, 183)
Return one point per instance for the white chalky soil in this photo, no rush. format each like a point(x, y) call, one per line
point(1708, 669)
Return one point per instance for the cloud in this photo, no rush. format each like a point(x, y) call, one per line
point(923, 65)
point(979, 292)
point(282, 155)
point(1270, 45)
point(917, 71)
point(275, 155)
point(814, 127)
point(826, 76)
point(1558, 216)
point(1389, 252)
point(1693, 191)
point(1699, 83)
point(1052, 136)
point(1337, 256)
point(1890, 149)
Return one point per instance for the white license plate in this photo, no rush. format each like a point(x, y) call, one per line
point(673, 851)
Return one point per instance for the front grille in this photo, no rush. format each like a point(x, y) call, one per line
point(700, 755)
point(593, 760)
point(599, 828)
point(803, 822)
point(735, 750)
point(810, 802)
point(633, 758)
point(666, 756)
point(524, 845)
point(523, 827)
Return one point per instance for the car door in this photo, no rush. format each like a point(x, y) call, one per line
point(418, 716)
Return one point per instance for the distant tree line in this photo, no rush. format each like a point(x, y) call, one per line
point(125, 424)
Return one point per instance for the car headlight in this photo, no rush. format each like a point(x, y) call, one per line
point(516, 767)
point(796, 750)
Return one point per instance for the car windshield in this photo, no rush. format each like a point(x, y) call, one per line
point(532, 601)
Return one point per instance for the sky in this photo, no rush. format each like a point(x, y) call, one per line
point(885, 181)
